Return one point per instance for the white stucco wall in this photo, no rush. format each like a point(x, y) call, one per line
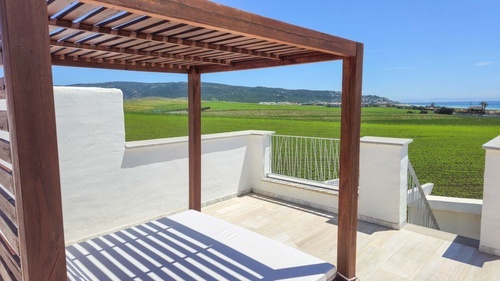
point(383, 179)
point(460, 216)
point(490, 220)
point(382, 183)
point(109, 184)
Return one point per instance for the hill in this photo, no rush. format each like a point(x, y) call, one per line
point(222, 92)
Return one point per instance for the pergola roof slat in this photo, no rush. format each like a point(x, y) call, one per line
point(171, 29)
point(79, 12)
point(100, 14)
point(214, 16)
point(55, 6)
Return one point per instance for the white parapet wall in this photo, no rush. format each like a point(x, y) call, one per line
point(490, 220)
point(460, 216)
point(298, 193)
point(382, 183)
point(383, 171)
point(109, 184)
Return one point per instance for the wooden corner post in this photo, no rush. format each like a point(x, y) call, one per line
point(349, 163)
point(194, 104)
point(32, 129)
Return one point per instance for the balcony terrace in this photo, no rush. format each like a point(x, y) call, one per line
point(239, 188)
point(67, 175)
point(411, 253)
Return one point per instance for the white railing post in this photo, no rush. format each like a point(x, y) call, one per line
point(260, 152)
point(489, 241)
point(383, 181)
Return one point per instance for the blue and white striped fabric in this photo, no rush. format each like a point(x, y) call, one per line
point(190, 246)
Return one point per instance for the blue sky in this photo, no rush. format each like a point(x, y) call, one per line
point(414, 50)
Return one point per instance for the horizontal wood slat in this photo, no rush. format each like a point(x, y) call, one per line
point(158, 38)
point(94, 63)
point(4, 123)
point(221, 18)
point(6, 179)
point(253, 64)
point(5, 273)
point(10, 258)
point(8, 205)
point(5, 153)
point(10, 232)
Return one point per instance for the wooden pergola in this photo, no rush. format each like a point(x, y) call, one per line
point(173, 36)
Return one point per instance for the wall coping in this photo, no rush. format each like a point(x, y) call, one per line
point(493, 144)
point(454, 204)
point(157, 142)
point(388, 141)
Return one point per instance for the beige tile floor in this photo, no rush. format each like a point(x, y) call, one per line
point(412, 253)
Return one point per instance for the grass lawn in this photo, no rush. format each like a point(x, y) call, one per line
point(446, 149)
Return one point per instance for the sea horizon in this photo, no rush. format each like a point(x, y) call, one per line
point(492, 105)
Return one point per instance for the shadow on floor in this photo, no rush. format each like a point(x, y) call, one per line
point(168, 250)
point(465, 250)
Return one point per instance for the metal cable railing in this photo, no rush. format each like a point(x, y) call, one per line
point(306, 158)
point(419, 211)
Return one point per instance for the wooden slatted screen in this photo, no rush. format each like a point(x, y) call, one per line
point(10, 265)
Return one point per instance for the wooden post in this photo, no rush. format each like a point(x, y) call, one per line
point(349, 163)
point(32, 126)
point(194, 104)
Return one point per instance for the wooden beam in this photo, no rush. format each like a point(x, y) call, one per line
point(117, 64)
point(158, 38)
point(211, 15)
point(32, 124)
point(153, 55)
point(194, 105)
point(349, 163)
point(253, 64)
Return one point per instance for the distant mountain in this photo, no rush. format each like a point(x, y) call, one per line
point(221, 92)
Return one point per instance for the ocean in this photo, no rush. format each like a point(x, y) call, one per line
point(460, 104)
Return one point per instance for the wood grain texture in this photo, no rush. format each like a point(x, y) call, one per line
point(4, 121)
point(30, 101)
point(349, 162)
point(5, 153)
point(194, 105)
point(210, 15)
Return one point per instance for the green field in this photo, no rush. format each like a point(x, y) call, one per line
point(446, 149)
